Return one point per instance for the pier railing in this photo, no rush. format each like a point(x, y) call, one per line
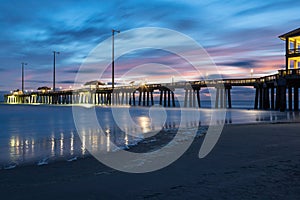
point(289, 72)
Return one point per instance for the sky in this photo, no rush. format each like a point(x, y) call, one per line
point(238, 36)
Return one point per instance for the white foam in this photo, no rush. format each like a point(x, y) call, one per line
point(12, 166)
point(72, 159)
point(42, 162)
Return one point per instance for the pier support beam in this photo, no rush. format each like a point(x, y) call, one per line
point(260, 98)
point(229, 98)
point(290, 95)
point(272, 98)
point(217, 98)
point(186, 97)
point(198, 98)
point(266, 98)
point(173, 99)
point(296, 98)
point(140, 98)
point(256, 98)
point(282, 99)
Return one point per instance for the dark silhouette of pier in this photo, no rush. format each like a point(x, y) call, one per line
point(271, 93)
point(279, 91)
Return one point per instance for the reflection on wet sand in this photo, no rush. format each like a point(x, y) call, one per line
point(67, 144)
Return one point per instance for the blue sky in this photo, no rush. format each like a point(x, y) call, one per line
point(238, 35)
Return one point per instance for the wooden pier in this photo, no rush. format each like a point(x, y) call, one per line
point(276, 92)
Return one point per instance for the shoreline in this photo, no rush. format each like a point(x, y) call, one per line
point(145, 145)
point(258, 161)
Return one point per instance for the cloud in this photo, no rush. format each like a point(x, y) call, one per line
point(66, 82)
point(84, 71)
point(244, 64)
point(38, 81)
point(267, 6)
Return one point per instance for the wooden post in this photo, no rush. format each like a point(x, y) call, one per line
point(185, 98)
point(277, 99)
point(190, 97)
point(165, 98)
point(140, 98)
point(198, 98)
point(229, 98)
point(282, 98)
point(173, 99)
point(147, 98)
point(260, 97)
point(169, 98)
point(217, 98)
point(266, 103)
point(161, 97)
point(194, 99)
point(272, 98)
point(152, 100)
point(221, 98)
point(290, 93)
point(296, 98)
point(133, 98)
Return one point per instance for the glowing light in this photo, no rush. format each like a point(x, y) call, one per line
point(52, 145)
point(61, 144)
point(72, 144)
point(108, 142)
point(83, 143)
point(144, 123)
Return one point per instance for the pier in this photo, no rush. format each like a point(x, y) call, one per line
point(279, 91)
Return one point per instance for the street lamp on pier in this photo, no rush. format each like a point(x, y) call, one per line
point(113, 59)
point(54, 63)
point(23, 63)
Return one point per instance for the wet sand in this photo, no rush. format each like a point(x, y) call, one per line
point(259, 161)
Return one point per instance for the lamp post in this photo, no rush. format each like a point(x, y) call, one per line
point(23, 75)
point(251, 72)
point(113, 59)
point(54, 62)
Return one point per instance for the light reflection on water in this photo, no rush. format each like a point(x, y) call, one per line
point(29, 134)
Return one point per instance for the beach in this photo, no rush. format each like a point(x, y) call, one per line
point(255, 161)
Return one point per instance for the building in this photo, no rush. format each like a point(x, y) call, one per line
point(292, 48)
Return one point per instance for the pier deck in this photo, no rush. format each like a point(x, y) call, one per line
point(277, 92)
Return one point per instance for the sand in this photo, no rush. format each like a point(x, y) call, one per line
point(259, 161)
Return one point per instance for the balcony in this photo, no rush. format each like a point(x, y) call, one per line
point(294, 52)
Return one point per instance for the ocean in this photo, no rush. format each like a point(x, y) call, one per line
point(41, 134)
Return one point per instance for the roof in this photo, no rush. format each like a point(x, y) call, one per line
point(94, 83)
point(292, 33)
point(44, 88)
